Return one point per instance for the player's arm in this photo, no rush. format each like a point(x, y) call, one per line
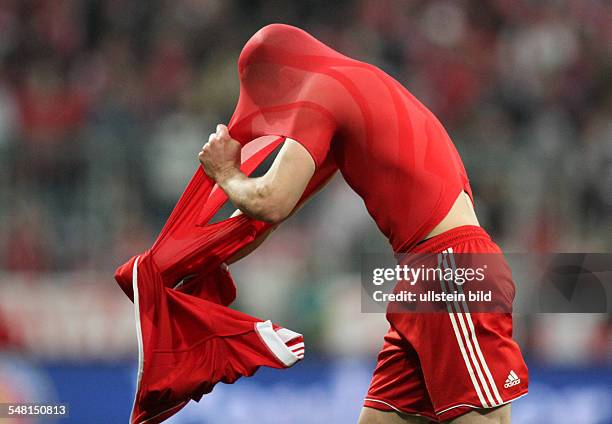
point(271, 197)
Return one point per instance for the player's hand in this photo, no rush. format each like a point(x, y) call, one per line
point(220, 157)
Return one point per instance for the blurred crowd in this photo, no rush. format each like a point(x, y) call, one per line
point(104, 105)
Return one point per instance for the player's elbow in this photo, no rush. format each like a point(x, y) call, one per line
point(273, 211)
point(270, 213)
point(269, 205)
point(273, 217)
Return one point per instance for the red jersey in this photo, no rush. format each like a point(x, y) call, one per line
point(389, 147)
point(188, 338)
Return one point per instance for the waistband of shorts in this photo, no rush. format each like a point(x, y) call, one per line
point(449, 238)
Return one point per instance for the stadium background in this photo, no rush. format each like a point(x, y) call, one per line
point(104, 105)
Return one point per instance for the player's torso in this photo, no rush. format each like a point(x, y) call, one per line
point(393, 152)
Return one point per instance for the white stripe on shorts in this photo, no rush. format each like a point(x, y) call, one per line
point(469, 340)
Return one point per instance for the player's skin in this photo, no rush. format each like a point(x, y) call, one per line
point(500, 415)
point(274, 196)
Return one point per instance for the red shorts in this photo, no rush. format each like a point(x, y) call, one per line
point(443, 365)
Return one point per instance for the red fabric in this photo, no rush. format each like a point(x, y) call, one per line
point(191, 340)
point(389, 147)
point(191, 343)
point(425, 365)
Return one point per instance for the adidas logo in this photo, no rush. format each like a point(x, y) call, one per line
point(512, 380)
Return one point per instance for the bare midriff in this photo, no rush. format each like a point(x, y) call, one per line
point(461, 213)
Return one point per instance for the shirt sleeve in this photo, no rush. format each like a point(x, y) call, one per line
point(283, 104)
